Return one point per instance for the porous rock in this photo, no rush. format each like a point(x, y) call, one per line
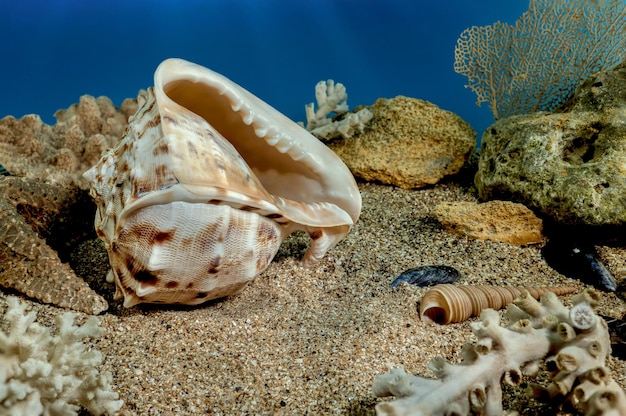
point(409, 143)
point(495, 220)
point(569, 165)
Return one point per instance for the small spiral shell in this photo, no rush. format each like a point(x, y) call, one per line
point(449, 303)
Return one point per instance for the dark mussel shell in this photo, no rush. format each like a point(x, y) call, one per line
point(578, 260)
point(428, 276)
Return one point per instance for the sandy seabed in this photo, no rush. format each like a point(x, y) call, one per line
point(311, 341)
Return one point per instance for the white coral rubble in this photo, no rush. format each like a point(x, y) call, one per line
point(332, 98)
point(42, 374)
point(574, 343)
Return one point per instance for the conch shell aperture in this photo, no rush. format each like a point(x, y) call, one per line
point(206, 183)
point(448, 303)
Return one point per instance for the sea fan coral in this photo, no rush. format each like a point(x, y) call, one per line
point(42, 374)
point(537, 63)
point(574, 343)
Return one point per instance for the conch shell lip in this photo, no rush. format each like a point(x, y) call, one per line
point(289, 154)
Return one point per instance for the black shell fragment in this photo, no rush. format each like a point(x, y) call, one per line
point(4, 172)
point(578, 261)
point(428, 276)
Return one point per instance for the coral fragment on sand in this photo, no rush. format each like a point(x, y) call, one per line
point(45, 374)
point(574, 343)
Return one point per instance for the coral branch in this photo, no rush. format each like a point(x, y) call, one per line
point(45, 374)
point(574, 343)
point(332, 98)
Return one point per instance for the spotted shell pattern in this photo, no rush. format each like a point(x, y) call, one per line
point(206, 183)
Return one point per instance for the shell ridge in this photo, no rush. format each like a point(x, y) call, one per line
point(446, 303)
point(211, 162)
point(321, 214)
point(219, 196)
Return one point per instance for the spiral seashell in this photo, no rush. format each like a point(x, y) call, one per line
point(449, 303)
point(206, 183)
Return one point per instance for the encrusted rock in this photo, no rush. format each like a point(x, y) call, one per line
point(495, 220)
point(409, 143)
point(569, 165)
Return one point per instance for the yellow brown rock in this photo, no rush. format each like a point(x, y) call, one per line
point(409, 143)
point(495, 220)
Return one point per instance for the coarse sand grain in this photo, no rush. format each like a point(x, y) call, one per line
point(311, 341)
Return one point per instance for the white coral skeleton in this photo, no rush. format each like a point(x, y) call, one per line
point(333, 98)
point(44, 374)
point(574, 344)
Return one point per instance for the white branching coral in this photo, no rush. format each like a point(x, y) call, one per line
point(333, 98)
point(42, 374)
point(574, 343)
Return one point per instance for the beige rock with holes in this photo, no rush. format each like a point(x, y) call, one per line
point(495, 220)
point(408, 143)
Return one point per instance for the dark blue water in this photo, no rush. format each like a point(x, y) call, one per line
point(56, 50)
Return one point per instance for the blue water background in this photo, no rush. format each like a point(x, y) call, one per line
point(54, 51)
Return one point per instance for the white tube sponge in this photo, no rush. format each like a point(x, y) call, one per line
point(52, 375)
point(575, 343)
point(332, 98)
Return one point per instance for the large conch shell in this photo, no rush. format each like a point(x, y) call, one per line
point(208, 180)
point(447, 303)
